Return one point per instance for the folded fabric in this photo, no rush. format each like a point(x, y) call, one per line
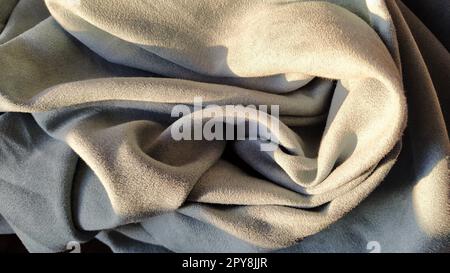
point(86, 148)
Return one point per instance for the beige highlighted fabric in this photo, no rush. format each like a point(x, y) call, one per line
point(87, 149)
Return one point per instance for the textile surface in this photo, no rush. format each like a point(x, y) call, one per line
point(86, 147)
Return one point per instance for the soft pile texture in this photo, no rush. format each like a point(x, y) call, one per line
point(88, 86)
